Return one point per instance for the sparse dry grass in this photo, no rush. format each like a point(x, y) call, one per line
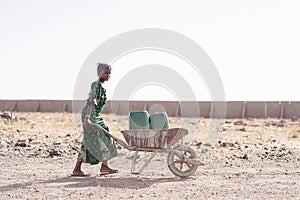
point(56, 125)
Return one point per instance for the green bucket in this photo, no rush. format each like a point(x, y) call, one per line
point(139, 120)
point(159, 121)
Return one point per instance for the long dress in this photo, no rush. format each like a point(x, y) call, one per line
point(96, 145)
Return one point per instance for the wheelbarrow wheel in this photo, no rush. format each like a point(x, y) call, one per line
point(177, 161)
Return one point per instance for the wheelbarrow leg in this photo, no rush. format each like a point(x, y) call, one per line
point(144, 166)
point(133, 162)
point(148, 161)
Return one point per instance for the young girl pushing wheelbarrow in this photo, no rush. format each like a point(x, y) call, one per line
point(96, 145)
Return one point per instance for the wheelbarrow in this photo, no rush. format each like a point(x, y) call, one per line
point(182, 160)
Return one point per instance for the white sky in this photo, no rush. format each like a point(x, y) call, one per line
point(254, 44)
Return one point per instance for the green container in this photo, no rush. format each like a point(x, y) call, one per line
point(139, 120)
point(159, 121)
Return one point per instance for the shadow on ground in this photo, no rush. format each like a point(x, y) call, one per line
point(82, 182)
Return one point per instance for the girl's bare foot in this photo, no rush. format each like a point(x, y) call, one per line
point(79, 173)
point(106, 170)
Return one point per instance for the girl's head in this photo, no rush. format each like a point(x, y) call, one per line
point(103, 71)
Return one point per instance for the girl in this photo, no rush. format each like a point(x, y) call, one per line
point(96, 145)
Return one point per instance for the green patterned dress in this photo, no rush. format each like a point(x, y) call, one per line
point(96, 145)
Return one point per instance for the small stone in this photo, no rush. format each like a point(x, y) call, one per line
point(239, 122)
point(207, 145)
point(199, 144)
point(22, 140)
point(227, 144)
point(56, 143)
point(54, 152)
point(20, 144)
point(3, 144)
point(242, 129)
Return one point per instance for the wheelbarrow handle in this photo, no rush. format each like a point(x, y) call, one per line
point(121, 142)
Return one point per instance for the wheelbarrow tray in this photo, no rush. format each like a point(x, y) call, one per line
point(153, 139)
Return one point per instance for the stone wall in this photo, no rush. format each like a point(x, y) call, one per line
point(234, 109)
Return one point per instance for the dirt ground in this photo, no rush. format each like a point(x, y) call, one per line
point(252, 159)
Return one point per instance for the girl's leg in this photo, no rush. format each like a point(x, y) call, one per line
point(104, 162)
point(77, 167)
point(77, 170)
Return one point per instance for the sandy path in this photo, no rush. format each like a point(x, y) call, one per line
point(48, 178)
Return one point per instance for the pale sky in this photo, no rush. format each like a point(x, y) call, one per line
point(254, 45)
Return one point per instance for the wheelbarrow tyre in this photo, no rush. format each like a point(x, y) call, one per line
point(173, 158)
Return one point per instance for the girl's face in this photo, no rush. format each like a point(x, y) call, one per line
point(105, 75)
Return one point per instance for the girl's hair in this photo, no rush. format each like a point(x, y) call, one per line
point(102, 67)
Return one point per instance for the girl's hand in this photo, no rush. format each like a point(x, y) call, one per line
point(87, 122)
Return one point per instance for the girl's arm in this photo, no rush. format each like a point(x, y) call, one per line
point(87, 120)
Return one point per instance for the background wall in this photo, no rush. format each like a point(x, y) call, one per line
point(234, 109)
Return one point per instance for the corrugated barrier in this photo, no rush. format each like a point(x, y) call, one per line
point(234, 109)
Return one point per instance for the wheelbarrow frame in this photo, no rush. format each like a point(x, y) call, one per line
point(163, 149)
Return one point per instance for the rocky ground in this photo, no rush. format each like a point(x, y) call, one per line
point(251, 159)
